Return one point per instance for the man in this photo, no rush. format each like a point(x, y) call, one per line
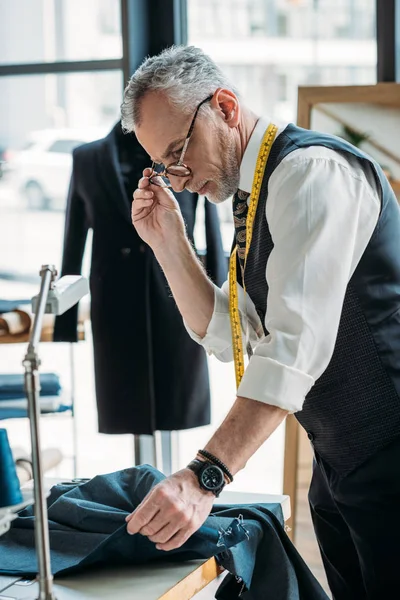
point(317, 247)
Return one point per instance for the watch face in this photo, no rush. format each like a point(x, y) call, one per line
point(212, 477)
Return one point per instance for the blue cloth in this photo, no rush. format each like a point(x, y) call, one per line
point(10, 305)
point(10, 492)
point(12, 385)
point(87, 528)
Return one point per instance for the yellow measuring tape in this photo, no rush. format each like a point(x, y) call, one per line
point(237, 343)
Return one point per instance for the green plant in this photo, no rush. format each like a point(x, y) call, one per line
point(353, 136)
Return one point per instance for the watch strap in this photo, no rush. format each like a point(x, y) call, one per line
point(216, 461)
point(195, 465)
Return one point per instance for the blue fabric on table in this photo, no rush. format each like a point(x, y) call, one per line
point(12, 385)
point(10, 305)
point(88, 529)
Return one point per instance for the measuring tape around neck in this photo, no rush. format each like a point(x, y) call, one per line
point(236, 329)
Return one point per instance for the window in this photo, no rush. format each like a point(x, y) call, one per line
point(281, 84)
point(64, 146)
point(270, 47)
point(109, 17)
point(33, 31)
point(38, 137)
point(46, 112)
point(282, 24)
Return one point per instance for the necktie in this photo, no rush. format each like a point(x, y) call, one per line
point(240, 209)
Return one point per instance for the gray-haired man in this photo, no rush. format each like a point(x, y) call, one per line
point(322, 276)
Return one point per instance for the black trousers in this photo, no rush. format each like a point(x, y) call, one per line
point(357, 523)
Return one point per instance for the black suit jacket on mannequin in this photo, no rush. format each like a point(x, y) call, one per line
point(149, 374)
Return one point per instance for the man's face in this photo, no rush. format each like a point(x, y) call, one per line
point(211, 153)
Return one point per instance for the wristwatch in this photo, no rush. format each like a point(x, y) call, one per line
point(211, 478)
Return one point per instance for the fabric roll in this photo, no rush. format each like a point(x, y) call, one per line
point(10, 492)
point(12, 385)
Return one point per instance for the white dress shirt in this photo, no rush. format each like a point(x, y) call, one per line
point(322, 209)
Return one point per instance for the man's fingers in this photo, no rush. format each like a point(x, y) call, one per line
point(143, 193)
point(172, 512)
point(172, 515)
point(141, 207)
point(141, 203)
point(159, 522)
point(177, 540)
point(160, 510)
point(165, 534)
point(147, 172)
point(143, 182)
point(142, 515)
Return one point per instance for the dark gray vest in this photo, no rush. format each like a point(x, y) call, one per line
point(353, 409)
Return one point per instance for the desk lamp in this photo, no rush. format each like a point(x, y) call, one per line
point(55, 297)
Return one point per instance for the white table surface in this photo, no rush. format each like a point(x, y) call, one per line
point(228, 497)
point(148, 582)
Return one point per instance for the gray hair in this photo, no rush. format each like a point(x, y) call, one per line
point(184, 73)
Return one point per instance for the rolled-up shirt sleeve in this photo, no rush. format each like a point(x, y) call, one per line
point(321, 215)
point(218, 338)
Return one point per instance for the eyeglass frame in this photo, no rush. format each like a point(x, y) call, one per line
point(179, 162)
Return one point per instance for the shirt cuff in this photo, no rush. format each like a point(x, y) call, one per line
point(274, 383)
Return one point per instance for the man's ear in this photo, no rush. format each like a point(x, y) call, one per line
point(227, 105)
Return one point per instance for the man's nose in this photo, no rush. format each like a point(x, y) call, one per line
point(178, 183)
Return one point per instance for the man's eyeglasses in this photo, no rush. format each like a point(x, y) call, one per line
point(160, 173)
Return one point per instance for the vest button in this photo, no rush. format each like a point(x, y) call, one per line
point(125, 251)
point(310, 436)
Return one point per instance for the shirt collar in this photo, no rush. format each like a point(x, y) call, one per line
point(249, 159)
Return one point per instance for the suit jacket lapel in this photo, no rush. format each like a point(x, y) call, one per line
point(110, 173)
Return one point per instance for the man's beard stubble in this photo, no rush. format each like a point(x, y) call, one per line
point(228, 183)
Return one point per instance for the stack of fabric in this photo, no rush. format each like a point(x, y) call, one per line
point(13, 401)
point(15, 319)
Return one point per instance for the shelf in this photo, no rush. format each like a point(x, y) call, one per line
point(46, 336)
point(395, 183)
point(48, 327)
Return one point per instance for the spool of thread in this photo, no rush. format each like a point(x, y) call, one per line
point(10, 492)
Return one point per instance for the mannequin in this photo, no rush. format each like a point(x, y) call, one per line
point(149, 374)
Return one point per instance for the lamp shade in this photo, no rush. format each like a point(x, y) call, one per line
point(10, 492)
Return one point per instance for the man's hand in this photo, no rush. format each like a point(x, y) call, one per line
point(172, 511)
point(155, 213)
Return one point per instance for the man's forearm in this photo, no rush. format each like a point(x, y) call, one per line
point(247, 426)
point(190, 286)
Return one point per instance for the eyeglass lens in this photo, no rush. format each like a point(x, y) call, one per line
point(159, 171)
